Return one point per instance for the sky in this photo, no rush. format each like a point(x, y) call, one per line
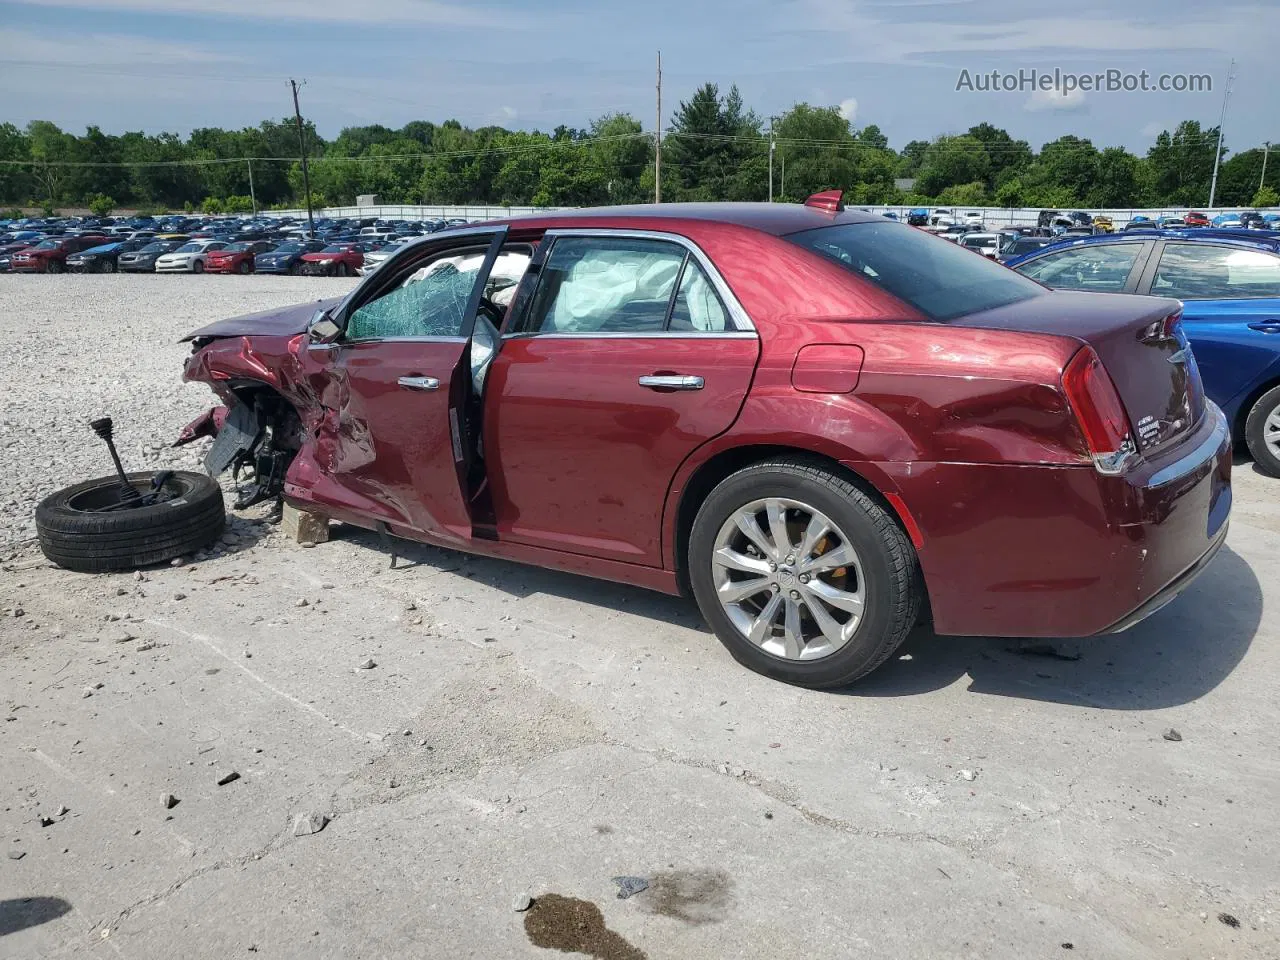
point(176, 65)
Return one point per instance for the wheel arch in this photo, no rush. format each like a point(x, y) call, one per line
point(708, 474)
point(1241, 415)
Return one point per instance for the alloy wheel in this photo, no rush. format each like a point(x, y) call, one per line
point(1271, 431)
point(788, 578)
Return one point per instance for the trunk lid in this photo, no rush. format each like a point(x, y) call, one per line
point(1147, 357)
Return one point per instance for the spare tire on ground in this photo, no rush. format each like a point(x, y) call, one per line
point(89, 528)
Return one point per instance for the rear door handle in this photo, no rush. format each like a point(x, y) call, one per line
point(419, 383)
point(1266, 326)
point(671, 382)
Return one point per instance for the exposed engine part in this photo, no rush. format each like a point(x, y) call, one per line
point(258, 442)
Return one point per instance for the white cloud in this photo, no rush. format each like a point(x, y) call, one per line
point(426, 12)
point(100, 50)
point(509, 113)
point(849, 109)
point(1055, 100)
point(1154, 128)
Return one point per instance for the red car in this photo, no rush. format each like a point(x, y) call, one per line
point(50, 256)
point(1195, 218)
point(235, 257)
point(818, 422)
point(335, 260)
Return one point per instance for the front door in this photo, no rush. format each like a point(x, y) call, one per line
point(628, 354)
point(396, 387)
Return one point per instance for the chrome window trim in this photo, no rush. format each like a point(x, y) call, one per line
point(636, 335)
point(422, 339)
point(741, 320)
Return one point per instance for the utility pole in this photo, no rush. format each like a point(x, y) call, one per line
point(1213, 186)
point(772, 147)
point(253, 196)
point(657, 153)
point(1266, 149)
point(306, 173)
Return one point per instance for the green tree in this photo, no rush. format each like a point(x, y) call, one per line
point(950, 161)
point(1182, 163)
point(716, 148)
point(100, 205)
point(1266, 197)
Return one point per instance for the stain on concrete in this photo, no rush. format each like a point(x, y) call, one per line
point(694, 896)
point(575, 926)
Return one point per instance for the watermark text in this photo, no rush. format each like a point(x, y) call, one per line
point(1064, 83)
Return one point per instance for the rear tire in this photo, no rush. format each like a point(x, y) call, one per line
point(75, 538)
point(197, 267)
point(827, 644)
point(243, 268)
point(340, 270)
point(295, 269)
point(1262, 432)
point(55, 266)
point(108, 266)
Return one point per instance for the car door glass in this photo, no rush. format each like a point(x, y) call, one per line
point(1190, 271)
point(697, 308)
point(430, 302)
point(606, 285)
point(1099, 267)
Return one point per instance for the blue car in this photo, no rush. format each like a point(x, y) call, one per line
point(1229, 285)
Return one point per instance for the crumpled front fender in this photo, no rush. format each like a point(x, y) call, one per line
point(206, 425)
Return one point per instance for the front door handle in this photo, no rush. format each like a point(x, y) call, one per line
point(1266, 326)
point(671, 382)
point(419, 383)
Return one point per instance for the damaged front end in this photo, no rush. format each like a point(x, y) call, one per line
point(260, 369)
point(255, 438)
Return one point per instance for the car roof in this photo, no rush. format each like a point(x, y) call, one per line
point(778, 219)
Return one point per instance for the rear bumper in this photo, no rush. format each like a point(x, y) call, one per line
point(1056, 551)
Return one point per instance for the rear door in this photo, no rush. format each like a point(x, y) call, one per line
point(626, 354)
point(396, 386)
point(1231, 308)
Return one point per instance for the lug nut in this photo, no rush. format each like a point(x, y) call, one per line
point(804, 578)
point(795, 594)
point(773, 567)
point(790, 559)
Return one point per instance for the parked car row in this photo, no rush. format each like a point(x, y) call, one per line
point(202, 244)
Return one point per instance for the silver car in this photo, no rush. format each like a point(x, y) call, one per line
point(188, 258)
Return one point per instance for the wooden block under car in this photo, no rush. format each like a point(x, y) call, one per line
point(303, 526)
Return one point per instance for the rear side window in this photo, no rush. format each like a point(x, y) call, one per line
point(606, 285)
point(1103, 268)
point(1190, 271)
point(937, 277)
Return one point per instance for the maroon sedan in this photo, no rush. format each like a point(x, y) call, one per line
point(818, 422)
point(50, 256)
point(335, 260)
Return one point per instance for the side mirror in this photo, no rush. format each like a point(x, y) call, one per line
point(322, 329)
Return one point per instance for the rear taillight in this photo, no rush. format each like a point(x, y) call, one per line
point(1098, 410)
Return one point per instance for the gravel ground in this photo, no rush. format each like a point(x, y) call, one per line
point(81, 347)
point(468, 736)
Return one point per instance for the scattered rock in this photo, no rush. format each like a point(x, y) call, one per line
point(137, 575)
point(1173, 735)
point(168, 801)
point(969, 775)
point(179, 595)
point(393, 783)
point(327, 586)
point(630, 886)
point(229, 777)
point(62, 811)
point(17, 854)
point(768, 814)
point(368, 664)
point(47, 821)
point(145, 645)
point(302, 602)
point(1068, 945)
point(177, 562)
point(119, 636)
point(1229, 920)
point(86, 692)
point(522, 903)
point(121, 592)
point(410, 606)
point(305, 824)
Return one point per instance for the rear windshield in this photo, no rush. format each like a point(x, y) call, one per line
point(337, 248)
point(939, 278)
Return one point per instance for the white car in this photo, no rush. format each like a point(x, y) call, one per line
point(188, 258)
point(987, 244)
point(973, 220)
point(375, 258)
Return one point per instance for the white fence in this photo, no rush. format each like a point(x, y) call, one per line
point(421, 212)
point(991, 216)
